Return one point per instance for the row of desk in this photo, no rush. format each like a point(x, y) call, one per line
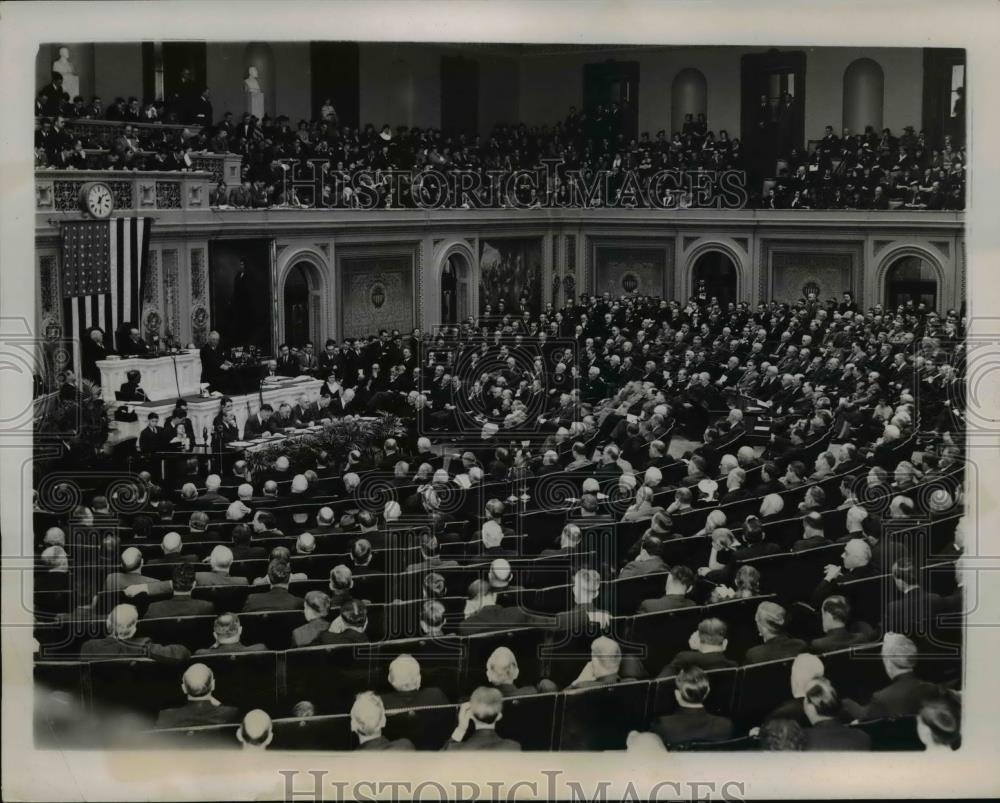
point(166, 379)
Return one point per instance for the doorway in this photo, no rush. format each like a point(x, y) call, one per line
point(614, 87)
point(911, 279)
point(714, 275)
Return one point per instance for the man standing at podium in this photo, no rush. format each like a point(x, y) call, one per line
point(213, 364)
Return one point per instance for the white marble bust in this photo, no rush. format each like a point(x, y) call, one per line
point(254, 93)
point(64, 66)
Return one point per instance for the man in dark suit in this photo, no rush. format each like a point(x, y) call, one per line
point(367, 722)
point(692, 723)
point(857, 564)
point(827, 732)
point(152, 438)
point(129, 573)
point(812, 533)
point(225, 430)
point(283, 420)
point(181, 603)
point(316, 411)
point(484, 710)
point(708, 649)
point(220, 562)
point(278, 598)
point(121, 641)
point(836, 616)
point(404, 677)
point(242, 547)
point(488, 615)
point(227, 631)
point(201, 708)
point(679, 583)
point(316, 609)
point(349, 627)
point(93, 349)
point(211, 498)
point(770, 620)
point(213, 363)
point(258, 423)
point(913, 611)
point(133, 345)
point(173, 551)
point(288, 363)
point(905, 693)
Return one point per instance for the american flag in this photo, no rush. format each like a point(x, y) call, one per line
point(104, 275)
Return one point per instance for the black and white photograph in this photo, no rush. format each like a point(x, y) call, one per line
point(599, 397)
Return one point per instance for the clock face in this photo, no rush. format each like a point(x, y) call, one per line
point(99, 200)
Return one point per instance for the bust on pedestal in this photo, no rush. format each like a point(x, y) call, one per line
point(254, 93)
point(71, 80)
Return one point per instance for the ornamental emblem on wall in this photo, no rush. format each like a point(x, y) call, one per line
point(378, 295)
point(630, 282)
point(810, 287)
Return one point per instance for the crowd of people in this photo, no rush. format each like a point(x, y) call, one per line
point(583, 160)
point(871, 170)
point(863, 434)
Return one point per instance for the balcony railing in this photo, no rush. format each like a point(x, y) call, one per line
point(59, 190)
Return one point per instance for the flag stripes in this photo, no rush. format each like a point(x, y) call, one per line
point(123, 267)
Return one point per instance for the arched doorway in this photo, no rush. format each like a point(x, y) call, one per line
point(456, 289)
point(714, 274)
point(911, 279)
point(296, 298)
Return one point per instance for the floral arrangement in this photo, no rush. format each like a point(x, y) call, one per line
point(328, 446)
point(82, 417)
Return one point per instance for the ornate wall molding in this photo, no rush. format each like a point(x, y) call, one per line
point(171, 291)
point(199, 296)
point(48, 274)
point(943, 246)
point(199, 275)
point(879, 245)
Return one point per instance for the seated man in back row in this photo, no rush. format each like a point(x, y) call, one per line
point(484, 710)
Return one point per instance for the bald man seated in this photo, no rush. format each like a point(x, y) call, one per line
point(220, 561)
point(256, 731)
point(603, 667)
point(228, 633)
point(405, 679)
point(368, 721)
point(483, 711)
point(173, 551)
point(201, 708)
point(130, 574)
point(211, 498)
point(122, 641)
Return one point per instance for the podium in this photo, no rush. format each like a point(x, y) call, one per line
point(163, 378)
